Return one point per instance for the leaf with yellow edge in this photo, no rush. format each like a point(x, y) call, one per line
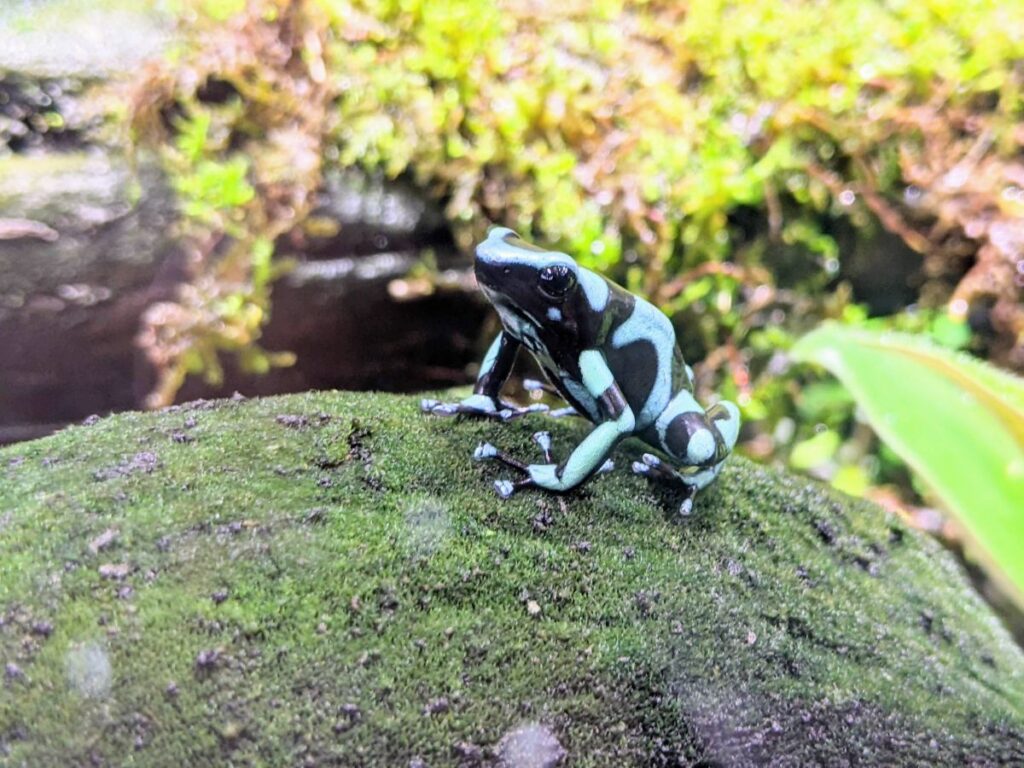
point(957, 421)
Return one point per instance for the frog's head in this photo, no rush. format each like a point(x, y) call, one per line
point(518, 276)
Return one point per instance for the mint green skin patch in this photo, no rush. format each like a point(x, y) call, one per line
point(611, 355)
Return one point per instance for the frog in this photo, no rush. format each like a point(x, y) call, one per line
point(610, 354)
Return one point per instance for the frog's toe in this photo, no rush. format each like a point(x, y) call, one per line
point(607, 467)
point(504, 488)
point(686, 506)
point(650, 460)
point(543, 439)
point(639, 468)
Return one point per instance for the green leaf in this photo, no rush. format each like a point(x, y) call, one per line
point(958, 422)
point(852, 479)
point(814, 451)
point(262, 254)
point(955, 334)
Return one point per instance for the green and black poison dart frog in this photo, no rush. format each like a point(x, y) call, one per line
point(611, 355)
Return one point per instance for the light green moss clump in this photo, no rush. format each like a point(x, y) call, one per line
point(329, 579)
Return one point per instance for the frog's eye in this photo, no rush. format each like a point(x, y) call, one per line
point(556, 281)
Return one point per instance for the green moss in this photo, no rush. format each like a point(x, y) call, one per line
point(329, 578)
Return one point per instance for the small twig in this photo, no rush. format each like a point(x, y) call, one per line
point(774, 206)
point(739, 272)
point(887, 214)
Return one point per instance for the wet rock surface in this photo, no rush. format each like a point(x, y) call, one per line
point(69, 304)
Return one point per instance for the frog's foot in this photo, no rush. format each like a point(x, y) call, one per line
point(487, 452)
point(535, 385)
point(653, 467)
point(656, 469)
point(505, 488)
point(560, 413)
point(479, 406)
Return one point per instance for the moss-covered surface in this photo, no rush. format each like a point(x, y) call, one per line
point(328, 579)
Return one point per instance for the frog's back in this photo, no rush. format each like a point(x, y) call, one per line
point(639, 344)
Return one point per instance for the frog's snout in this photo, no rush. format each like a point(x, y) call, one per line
point(492, 265)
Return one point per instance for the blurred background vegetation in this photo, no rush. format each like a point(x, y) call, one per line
point(754, 168)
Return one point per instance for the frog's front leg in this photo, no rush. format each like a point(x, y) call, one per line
point(590, 455)
point(505, 488)
point(484, 402)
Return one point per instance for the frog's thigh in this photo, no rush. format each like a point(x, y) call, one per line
point(726, 418)
point(684, 432)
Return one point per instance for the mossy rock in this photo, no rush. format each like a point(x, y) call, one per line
point(328, 579)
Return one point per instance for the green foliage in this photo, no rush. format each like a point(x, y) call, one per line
point(957, 421)
point(213, 187)
point(245, 167)
point(637, 133)
point(643, 127)
point(814, 451)
point(709, 155)
point(222, 10)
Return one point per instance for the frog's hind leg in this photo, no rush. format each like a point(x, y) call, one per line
point(654, 468)
point(700, 441)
